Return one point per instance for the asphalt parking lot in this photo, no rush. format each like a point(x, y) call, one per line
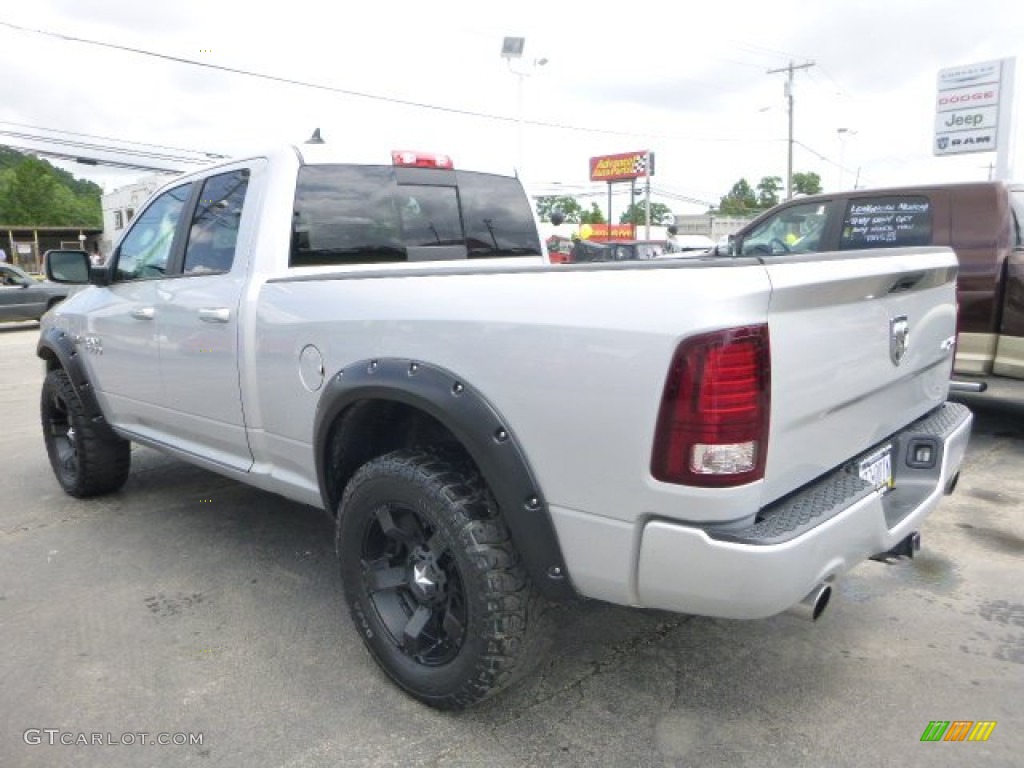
point(193, 608)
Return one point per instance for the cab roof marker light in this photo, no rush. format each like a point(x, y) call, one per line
point(410, 159)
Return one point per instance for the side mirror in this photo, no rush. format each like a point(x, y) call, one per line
point(67, 267)
point(673, 229)
point(557, 217)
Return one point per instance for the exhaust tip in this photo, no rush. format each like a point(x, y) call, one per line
point(813, 605)
point(821, 603)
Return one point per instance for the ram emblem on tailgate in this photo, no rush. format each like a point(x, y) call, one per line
point(899, 338)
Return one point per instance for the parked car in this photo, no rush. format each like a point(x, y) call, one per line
point(688, 245)
point(23, 297)
point(618, 250)
point(983, 222)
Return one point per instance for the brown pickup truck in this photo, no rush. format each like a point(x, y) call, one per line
point(982, 222)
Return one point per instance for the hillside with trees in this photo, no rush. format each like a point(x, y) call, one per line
point(35, 193)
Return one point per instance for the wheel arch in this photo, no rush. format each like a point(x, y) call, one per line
point(375, 406)
point(57, 350)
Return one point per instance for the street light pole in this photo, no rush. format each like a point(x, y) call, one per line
point(519, 117)
point(843, 133)
point(789, 154)
point(512, 48)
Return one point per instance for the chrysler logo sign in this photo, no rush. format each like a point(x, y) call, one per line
point(899, 338)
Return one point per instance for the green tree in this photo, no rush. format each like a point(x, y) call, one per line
point(636, 214)
point(31, 194)
point(807, 183)
point(35, 193)
point(593, 216)
point(768, 192)
point(6, 209)
point(740, 201)
point(548, 204)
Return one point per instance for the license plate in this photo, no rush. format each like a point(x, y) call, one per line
point(877, 468)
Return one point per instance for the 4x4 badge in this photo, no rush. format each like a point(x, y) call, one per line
point(899, 338)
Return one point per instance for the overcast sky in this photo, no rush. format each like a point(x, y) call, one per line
point(688, 81)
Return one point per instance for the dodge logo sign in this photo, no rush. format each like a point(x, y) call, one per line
point(899, 338)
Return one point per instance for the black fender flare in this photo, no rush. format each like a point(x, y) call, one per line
point(58, 344)
point(483, 433)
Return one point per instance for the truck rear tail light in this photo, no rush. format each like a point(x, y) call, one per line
point(410, 159)
point(712, 427)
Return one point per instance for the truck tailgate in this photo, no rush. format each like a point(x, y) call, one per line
point(861, 345)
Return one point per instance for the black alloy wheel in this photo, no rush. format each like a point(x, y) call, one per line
point(432, 579)
point(87, 459)
point(413, 583)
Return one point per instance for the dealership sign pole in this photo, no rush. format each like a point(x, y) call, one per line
point(973, 111)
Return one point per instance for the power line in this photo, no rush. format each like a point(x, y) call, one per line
point(360, 94)
point(213, 155)
point(752, 48)
point(103, 148)
point(95, 160)
point(842, 91)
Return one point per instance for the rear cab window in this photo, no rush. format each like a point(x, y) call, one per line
point(892, 221)
point(350, 214)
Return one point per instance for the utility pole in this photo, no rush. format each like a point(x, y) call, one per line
point(789, 103)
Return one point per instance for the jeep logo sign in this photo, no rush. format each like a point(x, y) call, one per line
point(970, 119)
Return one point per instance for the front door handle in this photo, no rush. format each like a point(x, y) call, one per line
point(215, 314)
point(143, 313)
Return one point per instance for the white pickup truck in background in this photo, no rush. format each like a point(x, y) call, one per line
point(387, 341)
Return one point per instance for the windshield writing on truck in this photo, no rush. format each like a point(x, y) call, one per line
point(347, 214)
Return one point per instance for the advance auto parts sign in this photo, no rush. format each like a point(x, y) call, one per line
point(967, 108)
point(631, 165)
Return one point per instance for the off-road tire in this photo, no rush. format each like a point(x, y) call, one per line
point(459, 641)
point(86, 458)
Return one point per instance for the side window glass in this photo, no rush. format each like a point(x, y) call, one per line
point(886, 222)
point(797, 229)
point(214, 231)
point(1017, 211)
point(145, 250)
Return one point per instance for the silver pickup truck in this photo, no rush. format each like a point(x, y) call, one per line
point(388, 341)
